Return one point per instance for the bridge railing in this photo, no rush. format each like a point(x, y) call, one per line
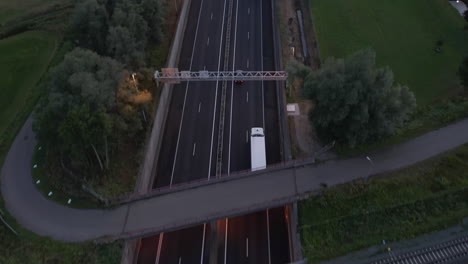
point(213, 180)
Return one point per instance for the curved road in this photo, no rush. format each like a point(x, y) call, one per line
point(263, 190)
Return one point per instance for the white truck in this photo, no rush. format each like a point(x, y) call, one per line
point(257, 149)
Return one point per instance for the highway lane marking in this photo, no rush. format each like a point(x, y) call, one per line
point(208, 42)
point(261, 52)
point(180, 260)
point(194, 148)
point(246, 136)
point(203, 244)
point(216, 93)
point(199, 107)
point(247, 96)
point(185, 97)
point(248, 11)
point(232, 91)
point(247, 247)
point(248, 35)
point(247, 63)
point(211, 15)
point(268, 235)
point(158, 252)
point(225, 242)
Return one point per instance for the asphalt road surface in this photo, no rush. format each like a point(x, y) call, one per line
point(189, 151)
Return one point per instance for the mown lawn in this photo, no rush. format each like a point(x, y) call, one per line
point(426, 197)
point(403, 33)
point(29, 248)
point(10, 10)
point(23, 60)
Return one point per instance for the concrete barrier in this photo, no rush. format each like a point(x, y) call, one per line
point(154, 145)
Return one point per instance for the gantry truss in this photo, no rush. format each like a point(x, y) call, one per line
point(173, 75)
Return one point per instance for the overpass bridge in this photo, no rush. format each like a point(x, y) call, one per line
point(192, 204)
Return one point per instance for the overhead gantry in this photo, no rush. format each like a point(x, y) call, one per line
point(173, 75)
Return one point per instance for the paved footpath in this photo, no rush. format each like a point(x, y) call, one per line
point(173, 210)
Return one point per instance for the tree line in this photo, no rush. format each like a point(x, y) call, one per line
point(94, 101)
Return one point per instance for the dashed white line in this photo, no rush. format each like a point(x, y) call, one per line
point(185, 97)
point(199, 107)
point(248, 35)
point(180, 260)
point(211, 15)
point(247, 63)
point(247, 247)
point(208, 41)
point(248, 11)
point(246, 136)
point(194, 148)
point(247, 96)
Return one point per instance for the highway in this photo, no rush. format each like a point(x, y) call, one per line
point(190, 144)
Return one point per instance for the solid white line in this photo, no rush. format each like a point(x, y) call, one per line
point(199, 107)
point(225, 242)
point(247, 247)
point(232, 91)
point(208, 41)
point(203, 244)
point(216, 93)
point(185, 97)
point(268, 235)
point(194, 148)
point(247, 96)
point(261, 43)
point(158, 252)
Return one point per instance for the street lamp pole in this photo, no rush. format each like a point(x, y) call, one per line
point(134, 81)
point(370, 167)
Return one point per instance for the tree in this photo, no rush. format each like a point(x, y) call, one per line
point(355, 102)
point(153, 13)
point(90, 24)
point(78, 117)
point(463, 72)
point(297, 71)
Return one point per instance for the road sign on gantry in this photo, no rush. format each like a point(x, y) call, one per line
point(171, 74)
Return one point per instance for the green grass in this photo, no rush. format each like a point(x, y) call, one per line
point(424, 120)
point(10, 10)
point(403, 33)
point(30, 248)
point(426, 197)
point(23, 60)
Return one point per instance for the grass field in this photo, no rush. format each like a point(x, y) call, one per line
point(403, 33)
point(23, 60)
point(10, 10)
point(426, 197)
